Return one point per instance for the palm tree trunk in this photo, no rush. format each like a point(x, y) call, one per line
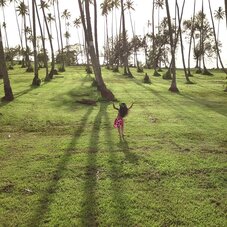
point(36, 81)
point(181, 42)
point(173, 86)
point(3, 69)
point(56, 27)
point(190, 41)
point(50, 75)
point(125, 48)
point(95, 62)
point(43, 41)
point(96, 29)
point(60, 30)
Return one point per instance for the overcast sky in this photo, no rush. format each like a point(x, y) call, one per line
point(140, 17)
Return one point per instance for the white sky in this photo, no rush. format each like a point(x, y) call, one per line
point(140, 17)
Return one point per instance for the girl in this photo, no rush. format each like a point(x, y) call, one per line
point(119, 121)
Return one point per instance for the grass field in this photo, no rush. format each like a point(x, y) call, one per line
point(62, 163)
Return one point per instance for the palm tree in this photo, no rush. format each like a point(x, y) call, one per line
point(129, 7)
point(173, 86)
point(107, 94)
point(43, 6)
point(50, 19)
point(77, 23)
point(181, 40)
point(3, 69)
point(43, 41)
point(216, 36)
point(3, 4)
point(159, 5)
point(66, 15)
point(219, 15)
point(22, 10)
point(106, 7)
point(125, 47)
point(62, 68)
point(36, 81)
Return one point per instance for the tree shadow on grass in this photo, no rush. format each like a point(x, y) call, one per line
point(89, 212)
point(46, 198)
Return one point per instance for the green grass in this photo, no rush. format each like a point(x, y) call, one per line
point(64, 164)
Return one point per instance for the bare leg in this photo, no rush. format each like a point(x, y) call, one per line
point(119, 131)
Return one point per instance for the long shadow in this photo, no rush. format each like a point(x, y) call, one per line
point(120, 200)
point(89, 211)
point(46, 197)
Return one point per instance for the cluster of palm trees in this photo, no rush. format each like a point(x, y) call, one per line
point(203, 37)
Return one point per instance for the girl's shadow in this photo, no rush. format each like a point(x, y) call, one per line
point(130, 156)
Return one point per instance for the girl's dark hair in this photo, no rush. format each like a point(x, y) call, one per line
point(123, 111)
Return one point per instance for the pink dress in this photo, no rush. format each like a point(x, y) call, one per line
point(118, 122)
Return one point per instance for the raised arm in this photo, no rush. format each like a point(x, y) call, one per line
point(131, 106)
point(115, 107)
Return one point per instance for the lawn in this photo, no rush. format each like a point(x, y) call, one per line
point(62, 163)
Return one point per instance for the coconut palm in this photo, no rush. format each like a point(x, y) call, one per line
point(125, 47)
point(66, 16)
point(219, 15)
point(107, 94)
point(173, 86)
point(77, 23)
point(36, 81)
point(22, 10)
point(62, 68)
point(43, 41)
point(3, 5)
point(3, 69)
point(43, 6)
point(106, 7)
point(19, 31)
point(220, 12)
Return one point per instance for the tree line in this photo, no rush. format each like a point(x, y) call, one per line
point(158, 45)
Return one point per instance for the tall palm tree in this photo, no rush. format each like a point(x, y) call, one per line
point(77, 23)
point(129, 6)
point(173, 86)
point(22, 10)
point(66, 15)
point(43, 41)
point(219, 15)
point(216, 36)
point(106, 7)
point(62, 68)
point(43, 6)
point(107, 94)
point(125, 47)
point(3, 69)
point(19, 31)
point(181, 40)
point(3, 5)
point(36, 81)
point(159, 5)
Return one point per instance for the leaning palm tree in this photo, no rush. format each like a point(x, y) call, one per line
point(106, 93)
point(173, 86)
point(3, 69)
point(219, 15)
